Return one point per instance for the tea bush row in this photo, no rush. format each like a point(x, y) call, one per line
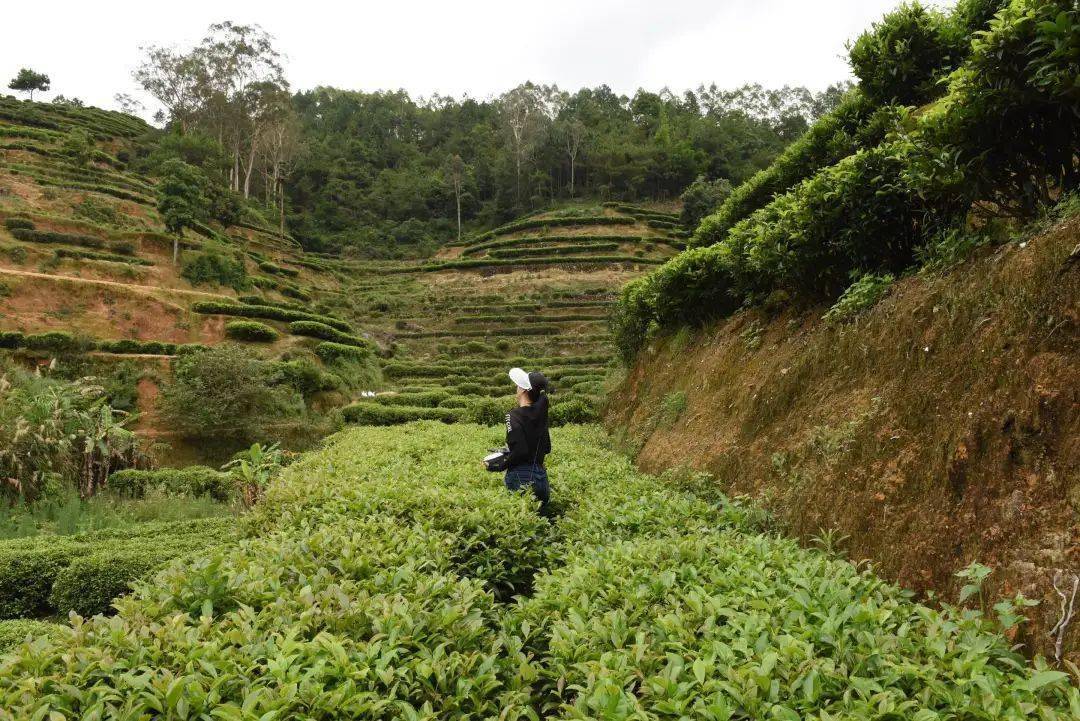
point(531, 223)
point(48, 575)
point(529, 262)
point(315, 329)
point(487, 411)
point(251, 331)
point(900, 61)
point(375, 592)
point(193, 481)
point(107, 257)
point(278, 270)
point(267, 312)
point(531, 239)
point(86, 174)
point(328, 352)
point(553, 250)
point(493, 332)
point(16, 631)
point(24, 230)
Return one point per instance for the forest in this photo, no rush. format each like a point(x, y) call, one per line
point(381, 174)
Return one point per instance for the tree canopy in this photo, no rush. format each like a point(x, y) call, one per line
point(382, 174)
point(27, 81)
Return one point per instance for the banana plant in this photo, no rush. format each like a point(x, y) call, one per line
point(254, 468)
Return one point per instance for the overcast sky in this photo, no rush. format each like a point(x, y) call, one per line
point(474, 47)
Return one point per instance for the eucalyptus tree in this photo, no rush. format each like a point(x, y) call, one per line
point(526, 113)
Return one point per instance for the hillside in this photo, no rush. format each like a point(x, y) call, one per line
point(88, 278)
point(937, 429)
point(535, 292)
point(877, 336)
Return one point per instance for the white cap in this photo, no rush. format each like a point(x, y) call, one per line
point(520, 378)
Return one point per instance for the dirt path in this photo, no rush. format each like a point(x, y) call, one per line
point(146, 289)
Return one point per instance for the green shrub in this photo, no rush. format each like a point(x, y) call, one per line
point(16, 631)
point(590, 240)
point(188, 481)
point(426, 399)
point(278, 270)
point(29, 235)
point(378, 414)
point(315, 329)
point(18, 224)
point(329, 352)
point(226, 393)
point(530, 223)
point(213, 268)
point(251, 331)
point(88, 584)
point(31, 568)
point(487, 411)
point(860, 296)
point(122, 247)
point(663, 224)
point(553, 250)
point(701, 198)
point(380, 561)
point(56, 341)
point(267, 312)
point(856, 122)
point(304, 376)
point(568, 411)
point(108, 257)
point(901, 58)
point(12, 339)
point(510, 262)
point(131, 346)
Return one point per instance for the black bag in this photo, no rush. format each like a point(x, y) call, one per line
point(497, 459)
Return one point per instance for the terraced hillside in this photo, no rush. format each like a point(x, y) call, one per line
point(87, 273)
point(534, 292)
point(87, 277)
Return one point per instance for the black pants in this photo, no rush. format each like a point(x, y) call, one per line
point(530, 476)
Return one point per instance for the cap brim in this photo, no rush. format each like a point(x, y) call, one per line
point(520, 378)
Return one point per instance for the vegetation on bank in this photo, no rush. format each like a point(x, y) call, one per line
point(621, 610)
point(1000, 138)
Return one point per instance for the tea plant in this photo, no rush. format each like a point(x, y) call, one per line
point(388, 576)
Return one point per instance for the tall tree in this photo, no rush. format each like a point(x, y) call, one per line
point(454, 172)
point(245, 73)
point(280, 144)
point(182, 199)
point(176, 80)
point(573, 133)
point(27, 81)
point(525, 116)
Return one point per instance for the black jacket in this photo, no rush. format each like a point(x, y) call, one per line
point(527, 434)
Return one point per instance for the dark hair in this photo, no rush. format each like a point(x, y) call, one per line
point(539, 383)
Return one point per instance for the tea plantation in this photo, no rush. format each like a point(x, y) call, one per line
point(89, 279)
point(387, 576)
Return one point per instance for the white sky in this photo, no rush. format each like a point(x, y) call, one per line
point(474, 47)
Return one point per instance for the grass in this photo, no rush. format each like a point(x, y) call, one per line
point(68, 514)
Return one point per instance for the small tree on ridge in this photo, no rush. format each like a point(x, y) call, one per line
point(27, 81)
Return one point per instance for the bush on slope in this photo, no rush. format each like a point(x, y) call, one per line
point(1002, 136)
point(370, 593)
point(900, 62)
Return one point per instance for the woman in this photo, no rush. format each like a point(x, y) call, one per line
point(527, 437)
